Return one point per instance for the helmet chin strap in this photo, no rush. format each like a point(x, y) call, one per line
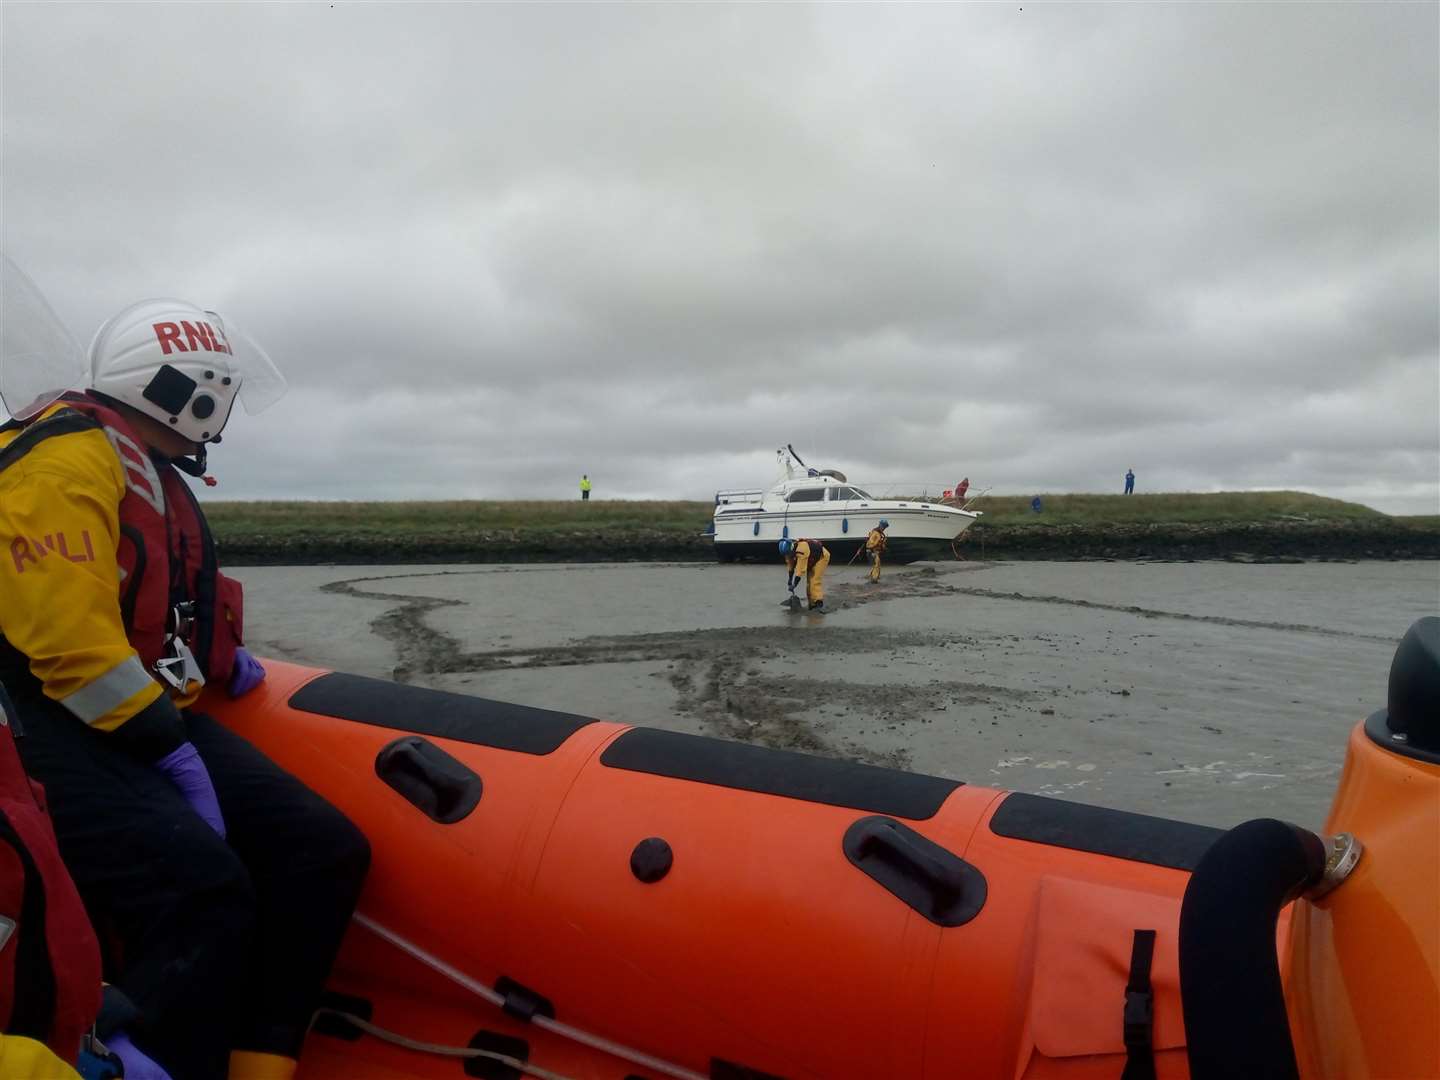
point(191, 466)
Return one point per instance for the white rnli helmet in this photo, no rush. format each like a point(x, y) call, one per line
point(182, 365)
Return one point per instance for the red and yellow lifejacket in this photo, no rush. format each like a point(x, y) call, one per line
point(166, 555)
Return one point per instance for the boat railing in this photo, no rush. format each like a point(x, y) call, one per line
point(739, 495)
point(911, 491)
point(890, 491)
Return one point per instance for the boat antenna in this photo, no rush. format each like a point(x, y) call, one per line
point(795, 455)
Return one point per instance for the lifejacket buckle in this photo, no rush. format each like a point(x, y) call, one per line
point(97, 1062)
point(182, 619)
point(180, 669)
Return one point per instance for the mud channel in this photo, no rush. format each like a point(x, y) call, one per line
point(1210, 692)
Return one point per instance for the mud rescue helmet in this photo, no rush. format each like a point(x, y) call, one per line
point(883, 524)
point(787, 546)
point(183, 366)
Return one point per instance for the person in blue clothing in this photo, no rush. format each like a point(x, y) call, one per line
point(1036, 505)
point(1130, 481)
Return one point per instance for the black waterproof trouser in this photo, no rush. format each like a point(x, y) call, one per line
point(222, 944)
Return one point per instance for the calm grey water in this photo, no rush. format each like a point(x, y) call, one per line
point(1211, 692)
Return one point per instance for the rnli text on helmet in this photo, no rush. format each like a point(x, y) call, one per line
point(197, 335)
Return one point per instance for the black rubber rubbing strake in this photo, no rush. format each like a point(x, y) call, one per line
point(442, 786)
point(651, 860)
point(497, 1043)
point(934, 881)
point(778, 772)
point(1118, 833)
point(438, 713)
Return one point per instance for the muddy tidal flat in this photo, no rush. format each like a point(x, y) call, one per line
point(1208, 692)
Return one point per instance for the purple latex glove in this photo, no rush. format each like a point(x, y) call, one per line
point(246, 674)
point(137, 1065)
point(188, 773)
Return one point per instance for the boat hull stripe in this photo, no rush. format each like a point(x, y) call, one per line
point(778, 772)
point(1119, 833)
point(436, 712)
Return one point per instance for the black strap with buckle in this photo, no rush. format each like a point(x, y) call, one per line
point(1140, 1011)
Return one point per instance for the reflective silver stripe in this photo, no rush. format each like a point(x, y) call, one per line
point(109, 691)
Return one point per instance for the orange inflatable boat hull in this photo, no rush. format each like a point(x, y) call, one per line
point(699, 908)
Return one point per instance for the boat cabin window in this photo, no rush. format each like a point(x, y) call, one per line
point(847, 493)
point(807, 495)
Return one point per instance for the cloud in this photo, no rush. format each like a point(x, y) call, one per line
point(495, 246)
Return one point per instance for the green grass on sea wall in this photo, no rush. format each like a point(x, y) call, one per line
point(1167, 508)
point(1079, 526)
point(408, 518)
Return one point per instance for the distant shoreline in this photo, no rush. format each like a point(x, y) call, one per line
point(1246, 527)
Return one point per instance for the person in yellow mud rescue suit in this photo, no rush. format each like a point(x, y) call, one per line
point(875, 547)
point(221, 884)
point(807, 559)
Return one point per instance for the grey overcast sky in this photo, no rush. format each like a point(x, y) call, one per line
point(494, 246)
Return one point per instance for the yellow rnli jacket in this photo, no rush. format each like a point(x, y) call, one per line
point(802, 558)
point(22, 1057)
point(875, 541)
point(60, 583)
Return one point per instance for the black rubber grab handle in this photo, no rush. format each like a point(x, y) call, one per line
point(1236, 1022)
point(439, 784)
point(934, 881)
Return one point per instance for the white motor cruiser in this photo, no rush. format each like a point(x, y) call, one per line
point(821, 504)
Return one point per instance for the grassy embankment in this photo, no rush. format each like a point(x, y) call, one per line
point(1247, 526)
point(1242, 525)
point(401, 532)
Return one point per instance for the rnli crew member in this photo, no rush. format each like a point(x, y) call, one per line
point(875, 547)
point(585, 488)
point(223, 882)
point(807, 559)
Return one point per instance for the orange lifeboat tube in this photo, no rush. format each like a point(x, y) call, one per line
point(644, 903)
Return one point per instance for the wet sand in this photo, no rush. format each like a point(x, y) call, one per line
point(1210, 692)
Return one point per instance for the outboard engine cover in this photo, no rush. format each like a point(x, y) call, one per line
point(1413, 720)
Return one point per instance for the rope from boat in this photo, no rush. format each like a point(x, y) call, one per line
point(974, 497)
point(479, 989)
point(437, 1048)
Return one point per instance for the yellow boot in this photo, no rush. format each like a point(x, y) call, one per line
point(253, 1065)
